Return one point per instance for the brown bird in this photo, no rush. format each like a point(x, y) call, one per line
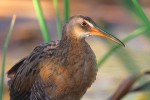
point(60, 70)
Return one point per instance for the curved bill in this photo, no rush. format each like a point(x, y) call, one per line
point(99, 32)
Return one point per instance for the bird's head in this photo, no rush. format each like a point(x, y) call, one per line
point(82, 27)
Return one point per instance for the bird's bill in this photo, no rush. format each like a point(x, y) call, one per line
point(101, 33)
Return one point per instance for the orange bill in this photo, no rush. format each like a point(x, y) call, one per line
point(101, 33)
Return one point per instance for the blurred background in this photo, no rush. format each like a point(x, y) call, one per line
point(114, 16)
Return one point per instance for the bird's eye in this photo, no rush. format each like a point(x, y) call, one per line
point(84, 23)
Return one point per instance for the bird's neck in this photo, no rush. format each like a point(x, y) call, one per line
point(71, 42)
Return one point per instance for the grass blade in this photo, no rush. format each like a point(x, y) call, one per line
point(129, 37)
point(134, 6)
point(141, 12)
point(42, 22)
point(58, 21)
point(67, 9)
point(143, 16)
point(4, 56)
point(131, 8)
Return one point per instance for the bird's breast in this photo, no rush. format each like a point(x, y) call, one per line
point(80, 64)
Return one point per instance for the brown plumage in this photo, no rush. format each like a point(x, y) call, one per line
point(61, 70)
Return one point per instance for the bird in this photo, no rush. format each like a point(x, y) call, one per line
point(59, 70)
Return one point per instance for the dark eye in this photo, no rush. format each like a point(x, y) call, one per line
point(84, 23)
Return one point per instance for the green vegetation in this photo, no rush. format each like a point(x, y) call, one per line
point(4, 56)
point(58, 21)
point(133, 5)
point(129, 37)
point(42, 22)
point(67, 9)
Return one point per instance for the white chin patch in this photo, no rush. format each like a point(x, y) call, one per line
point(85, 35)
